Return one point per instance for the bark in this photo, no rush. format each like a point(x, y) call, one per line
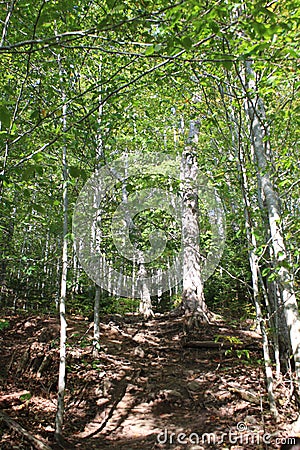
point(5, 249)
point(145, 307)
point(97, 231)
point(287, 301)
point(96, 320)
point(253, 260)
point(63, 285)
point(193, 301)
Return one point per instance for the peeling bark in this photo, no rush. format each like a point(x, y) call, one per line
point(193, 301)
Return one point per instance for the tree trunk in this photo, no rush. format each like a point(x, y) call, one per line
point(145, 307)
point(63, 286)
point(97, 231)
point(193, 302)
point(96, 320)
point(253, 259)
point(287, 300)
point(236, 139)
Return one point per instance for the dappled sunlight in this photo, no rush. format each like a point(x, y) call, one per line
point(145, 380)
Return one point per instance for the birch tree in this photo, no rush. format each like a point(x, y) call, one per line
point(255, 110)
point(193, 301)
point(254, 263)
point(97, 231)
point(145, 307)
point(63, 286)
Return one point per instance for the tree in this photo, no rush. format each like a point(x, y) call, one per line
point(287, 299)
point(154, 57)
point(193, 302)
point(63, 287)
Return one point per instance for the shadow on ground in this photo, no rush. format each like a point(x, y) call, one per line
point(146, 388)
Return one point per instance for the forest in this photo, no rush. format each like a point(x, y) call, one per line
point(149, 224)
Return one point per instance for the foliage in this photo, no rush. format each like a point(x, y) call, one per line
point(149, 66)
point(4, 324)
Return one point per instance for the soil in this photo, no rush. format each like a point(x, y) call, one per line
point(146, 388)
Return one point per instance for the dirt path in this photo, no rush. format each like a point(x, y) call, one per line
point(147, 389)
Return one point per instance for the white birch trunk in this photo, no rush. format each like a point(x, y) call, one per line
point(255, 111)
point(97, 231)
point(193, 302)
point(96, 320)
point(63, 286)
point(145, 307)
point(236, 140)
point(254, 266)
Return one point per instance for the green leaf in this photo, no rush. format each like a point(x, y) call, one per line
point(227, 64)
point(39, 169)
point(3, 324)
point(187, 43)
point(265, 271)
point(38, 208)
point(272, 277)
point(214, 27)
point(27, 173)
point(37, 157)
point(4, 117)
point(269, 13)
point(259, 28)
point(258, 48)
point(150, 50)
point(111, 3)
point(35, 114)
point(25, 397)
point(75, 172)
point(284, 182)
point(293, 53)
point(26, 193)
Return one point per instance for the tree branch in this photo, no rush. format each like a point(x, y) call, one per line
point(6, 22)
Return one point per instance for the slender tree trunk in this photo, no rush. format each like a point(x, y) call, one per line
point(145, 307)
point(253, 258)
point(63, 286)
point(5, 249)
point(97, 231)
point(75, 275)
point(273, 318)
point(287, 300)
point(10, 9)
point(193, 302)
point(96, 320)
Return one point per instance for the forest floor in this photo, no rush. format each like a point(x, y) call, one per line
point(152, 386)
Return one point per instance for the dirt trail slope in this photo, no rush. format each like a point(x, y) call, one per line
point(151, 386)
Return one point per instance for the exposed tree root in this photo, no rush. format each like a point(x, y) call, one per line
point(37, 443)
